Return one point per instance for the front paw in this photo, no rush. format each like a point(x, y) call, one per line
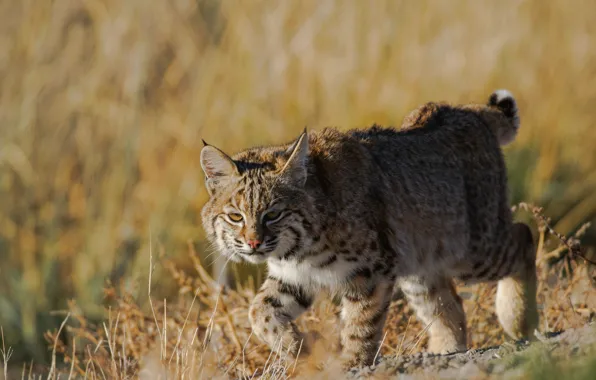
point(283, 338)
point(280, 335)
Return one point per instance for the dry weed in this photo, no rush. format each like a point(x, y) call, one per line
point(206, 332)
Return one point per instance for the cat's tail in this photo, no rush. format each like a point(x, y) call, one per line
point(504, 101)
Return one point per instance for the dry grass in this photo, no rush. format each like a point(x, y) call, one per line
point(103, 104)
point(206, 333)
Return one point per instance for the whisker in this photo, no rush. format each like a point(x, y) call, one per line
point(214, 251)
point(223, 269)
point(213, 261)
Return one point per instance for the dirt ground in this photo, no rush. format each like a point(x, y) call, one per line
point(509, 360)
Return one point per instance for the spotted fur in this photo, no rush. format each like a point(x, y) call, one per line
point(356, 212)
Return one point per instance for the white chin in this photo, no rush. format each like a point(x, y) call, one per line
point(255, 259)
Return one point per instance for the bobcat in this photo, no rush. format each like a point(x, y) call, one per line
point(357, 212)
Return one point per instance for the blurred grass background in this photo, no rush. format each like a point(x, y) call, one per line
point(103, 104)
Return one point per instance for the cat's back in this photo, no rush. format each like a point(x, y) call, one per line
point(449, 169)
point(449, 142)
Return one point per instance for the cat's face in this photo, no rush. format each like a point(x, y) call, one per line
point(254, 210)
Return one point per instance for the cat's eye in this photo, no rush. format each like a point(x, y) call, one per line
point(271, 216)
point(235, 217)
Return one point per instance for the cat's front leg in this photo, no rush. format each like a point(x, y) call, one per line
point(272, 314)
point(363, 317)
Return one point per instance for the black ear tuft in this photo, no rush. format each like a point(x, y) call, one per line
point(204, 143)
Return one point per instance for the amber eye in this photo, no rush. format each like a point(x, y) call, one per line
point(271, 215)
point(235, 217)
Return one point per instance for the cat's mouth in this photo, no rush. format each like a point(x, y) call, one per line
point(258, 255)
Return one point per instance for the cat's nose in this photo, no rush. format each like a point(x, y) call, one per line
point(254, 243)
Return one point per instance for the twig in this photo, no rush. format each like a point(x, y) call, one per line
point(149, 290)
point(74, 358)
point(183, 326)
point(53, 366)
point(379, 350)
point(399, 349)
point(575, 250)
point(5, 354)
point(297, 355)
point(419, 336)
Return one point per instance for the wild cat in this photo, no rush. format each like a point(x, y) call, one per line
point(356, 212)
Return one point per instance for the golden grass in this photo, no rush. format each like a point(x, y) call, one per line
point(207, 334)
point(103, 104)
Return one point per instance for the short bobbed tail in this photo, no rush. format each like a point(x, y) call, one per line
point(504, 101)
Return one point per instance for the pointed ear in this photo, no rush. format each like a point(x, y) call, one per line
point(295, 168)
point(217, 165)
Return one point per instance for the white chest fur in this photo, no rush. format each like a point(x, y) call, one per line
point(309, 274)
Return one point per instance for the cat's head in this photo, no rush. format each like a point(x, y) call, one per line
point(257, 198)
